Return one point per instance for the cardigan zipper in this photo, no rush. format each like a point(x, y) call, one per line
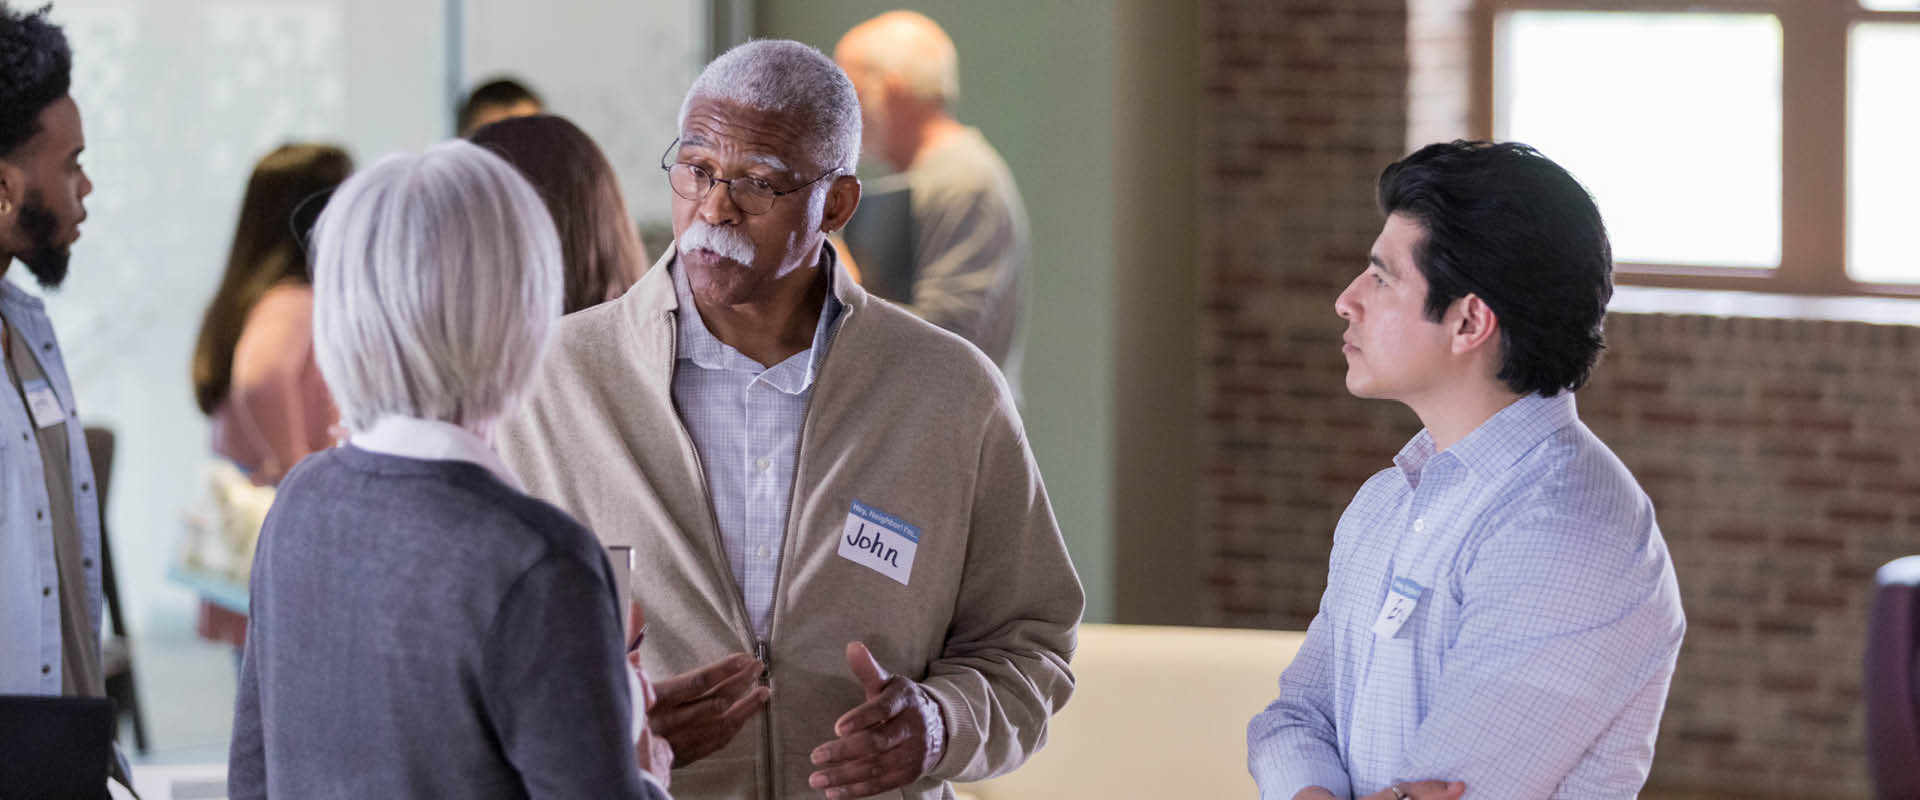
point(760, 647)
point(791, 537)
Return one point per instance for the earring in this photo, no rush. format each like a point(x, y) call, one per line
point(5, 207)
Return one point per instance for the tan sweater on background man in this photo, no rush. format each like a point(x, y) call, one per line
point(904, 417)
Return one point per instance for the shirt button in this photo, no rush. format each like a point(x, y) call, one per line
point(762, 552)
point(46, 668)
point(46, 591)
point(762, 464)
point(39, 513)
point(85, 486)
point(1420, 525)
point(86, 562)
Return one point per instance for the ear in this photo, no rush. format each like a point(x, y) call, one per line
point(842, 198)
point(13, 183)
point(1473, 325)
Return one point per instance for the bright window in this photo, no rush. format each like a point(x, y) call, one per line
point(1883, 168)
point(1760, 145)
point(1672, 120)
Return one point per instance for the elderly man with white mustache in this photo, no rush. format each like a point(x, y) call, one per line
point(854, 581)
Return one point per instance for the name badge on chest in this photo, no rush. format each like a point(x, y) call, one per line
point(44, 404)
point(879, 541)
point(1402, 599)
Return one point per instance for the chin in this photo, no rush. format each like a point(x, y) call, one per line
point(1358, 386)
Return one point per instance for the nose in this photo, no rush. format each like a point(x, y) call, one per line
point(86, 184)
point(1344, 304)
point(717, 207)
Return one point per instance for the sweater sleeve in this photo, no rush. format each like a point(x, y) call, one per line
point(246, 751)
point(1004, 670)
point(556, 686)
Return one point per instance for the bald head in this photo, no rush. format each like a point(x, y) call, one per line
point(906, 50)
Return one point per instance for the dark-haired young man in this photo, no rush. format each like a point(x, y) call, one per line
point(50, 590)
point(1501, 616)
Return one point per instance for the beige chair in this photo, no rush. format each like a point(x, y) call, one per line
point(1156, 712)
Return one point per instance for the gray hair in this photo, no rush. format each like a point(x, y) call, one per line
point(436, 283)
point(787, 77)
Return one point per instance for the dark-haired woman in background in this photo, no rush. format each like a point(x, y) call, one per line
point(598, 241)
point(253, 368)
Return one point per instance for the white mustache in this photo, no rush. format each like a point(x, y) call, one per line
point(727, 243)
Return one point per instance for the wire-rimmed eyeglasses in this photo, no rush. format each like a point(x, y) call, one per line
point(750, 195)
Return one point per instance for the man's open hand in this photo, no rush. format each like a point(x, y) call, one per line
point(700, 711)
point(887, 742)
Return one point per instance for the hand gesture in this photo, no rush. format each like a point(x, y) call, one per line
point(700, 711)
point(887, 742)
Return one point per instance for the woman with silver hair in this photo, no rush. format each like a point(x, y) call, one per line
point(421, 626)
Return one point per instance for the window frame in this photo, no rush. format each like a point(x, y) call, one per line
point(1815, 35)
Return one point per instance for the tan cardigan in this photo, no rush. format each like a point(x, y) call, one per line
point(904, 417)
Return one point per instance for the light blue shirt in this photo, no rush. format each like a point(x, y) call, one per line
point(745, 421)
point(1536, 660)
point(30, 661)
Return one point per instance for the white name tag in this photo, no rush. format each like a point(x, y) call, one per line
point(44, 404)
point(879, 541)
point(1401, 600)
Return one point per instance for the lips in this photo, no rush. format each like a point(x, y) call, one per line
point(708, 258)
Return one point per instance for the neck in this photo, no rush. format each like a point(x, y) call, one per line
point(772, 328)
point(929, 134)
point(1451, 414)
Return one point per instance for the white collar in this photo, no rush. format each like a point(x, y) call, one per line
point(432, 440)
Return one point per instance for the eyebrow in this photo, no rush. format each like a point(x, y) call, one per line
point(1374, 259)
point(767, 160)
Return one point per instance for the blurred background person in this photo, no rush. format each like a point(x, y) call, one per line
point(253, 369)
point(964, 263)
point(422, 627)
point(495, 100)
point(599, 243)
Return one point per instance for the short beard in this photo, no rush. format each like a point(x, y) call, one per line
point(36, 227)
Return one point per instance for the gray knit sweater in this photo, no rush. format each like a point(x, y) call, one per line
point(420, 629)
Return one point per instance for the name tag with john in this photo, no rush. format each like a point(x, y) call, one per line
point(879, 541)
point(44, 404)
point(1402, 599)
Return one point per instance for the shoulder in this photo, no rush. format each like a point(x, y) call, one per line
point(594, 339)
point(1573, 475)
point(447, 495)
point(316, 471)
point(886, 342)
point(284, 313)
point(595, 325)
point(287, 304)
point(1570, 500)
point(967, 169)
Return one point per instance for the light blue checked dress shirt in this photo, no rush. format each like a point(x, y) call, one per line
point(1536, 660)
point(745, 422)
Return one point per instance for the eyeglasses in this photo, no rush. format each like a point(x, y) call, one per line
point(750, 195)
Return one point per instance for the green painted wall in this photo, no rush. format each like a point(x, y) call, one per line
point(1038, 79)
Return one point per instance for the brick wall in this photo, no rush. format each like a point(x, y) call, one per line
point(1772, 449)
